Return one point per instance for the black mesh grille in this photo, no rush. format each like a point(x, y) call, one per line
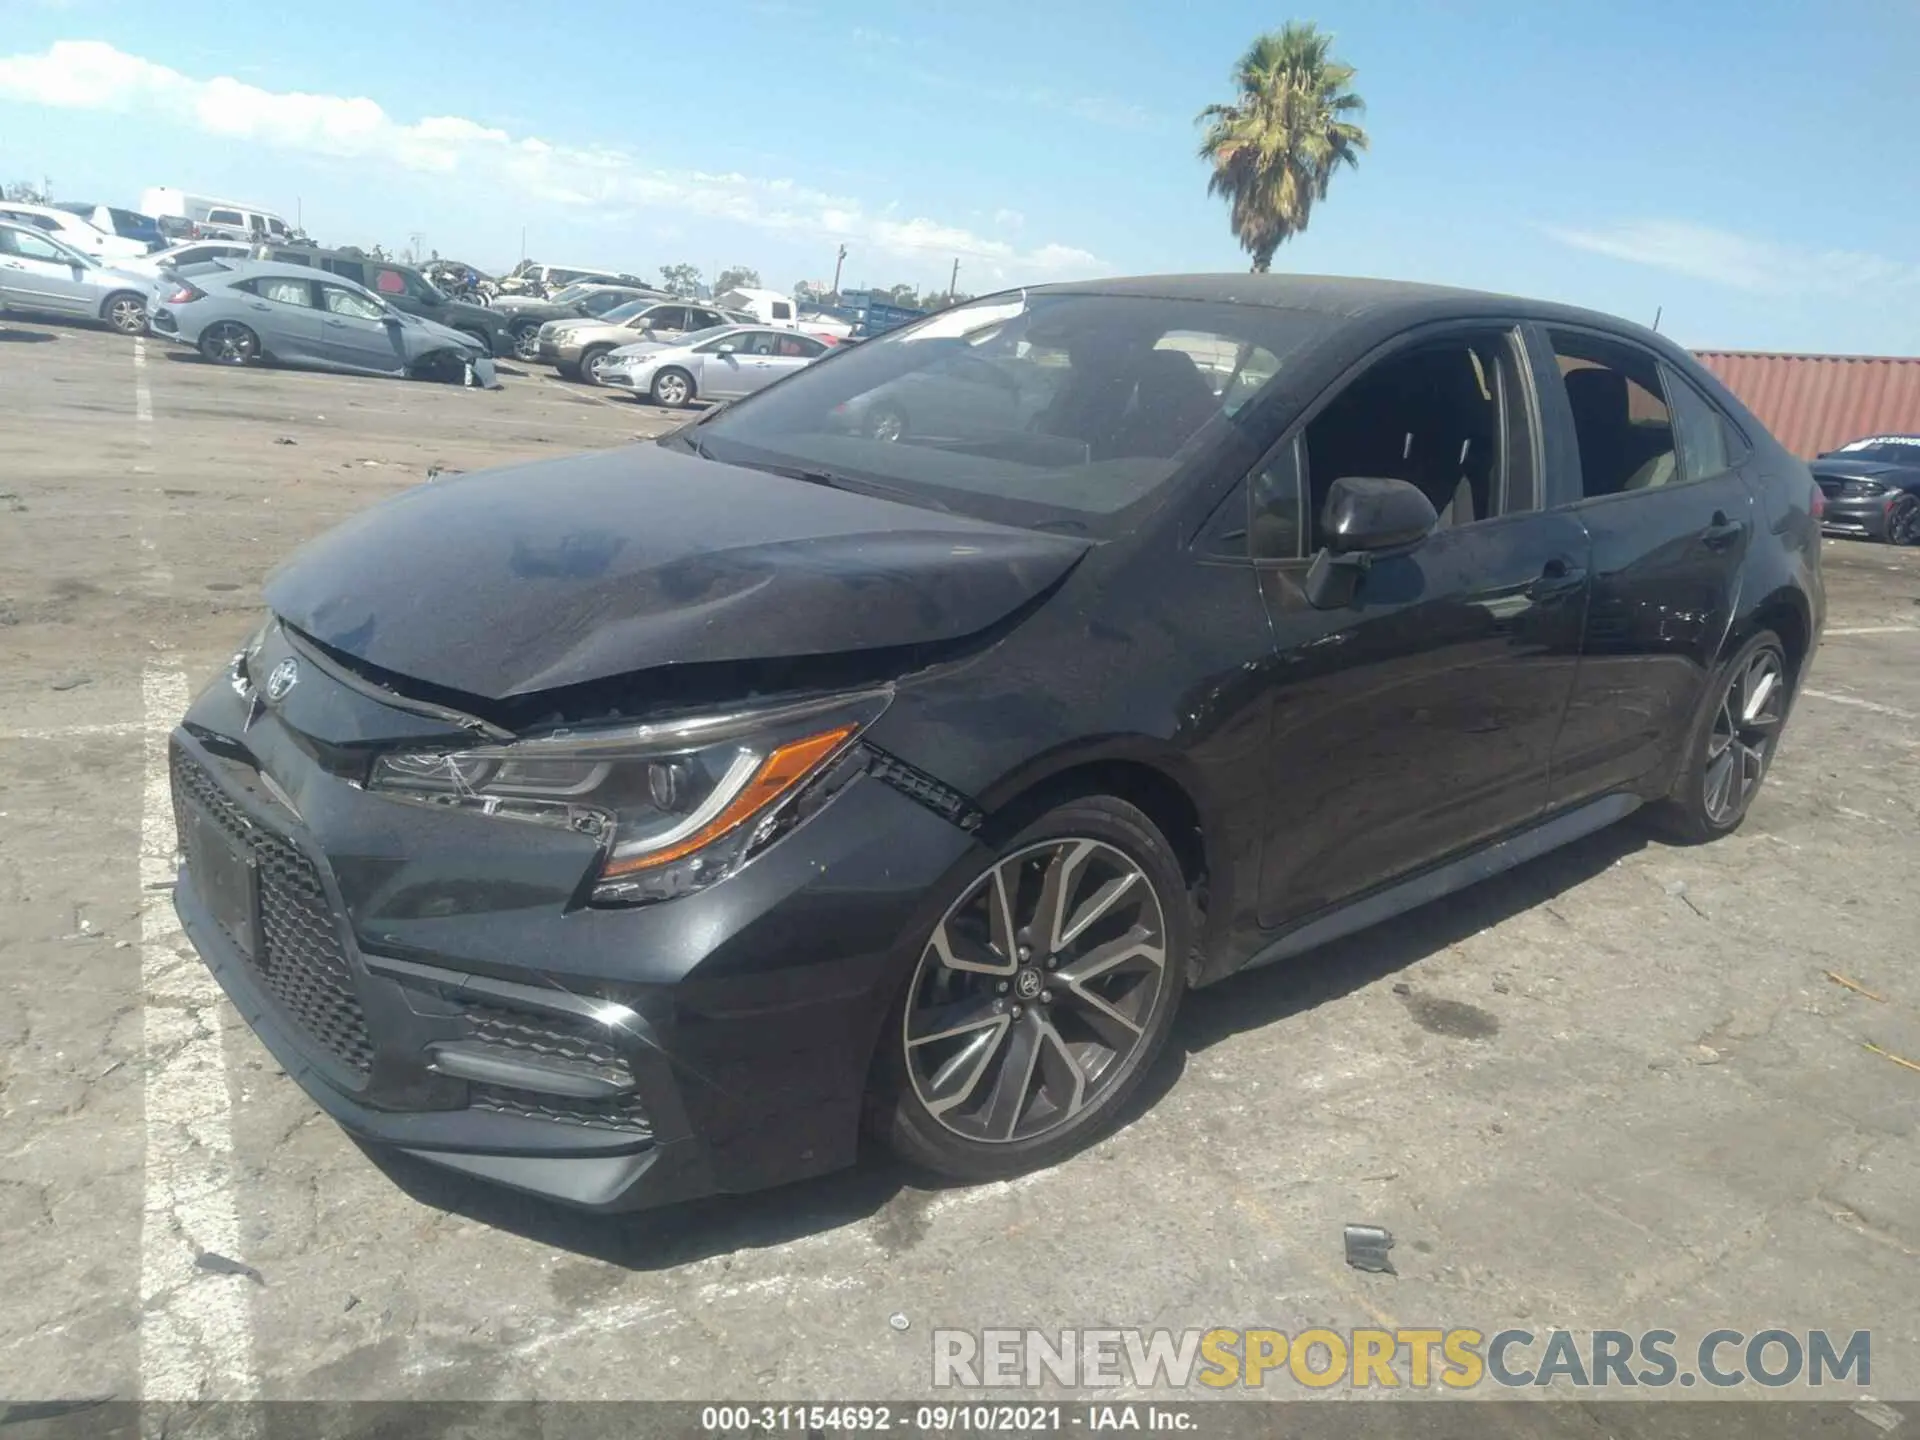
point(623, 1112)
point(916, 784)
point(300, 959)
point(1831, 487)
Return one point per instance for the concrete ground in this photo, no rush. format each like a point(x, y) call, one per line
point(1619, 1088)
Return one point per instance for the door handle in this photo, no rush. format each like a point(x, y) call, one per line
point(260, 305)
point(337, 324)
point(1723, 532)
point(1558, 577)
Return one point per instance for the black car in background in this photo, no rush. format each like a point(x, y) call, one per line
point(1872, 488)
point(404, 287)
point(635, 826)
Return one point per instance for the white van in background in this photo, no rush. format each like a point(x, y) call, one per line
point(769, 307)
point(216, 219)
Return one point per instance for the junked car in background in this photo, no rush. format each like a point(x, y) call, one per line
point(128, 224)
point(1872, 489)
point(236, 312)
point(207, 218)
point(723, 363)
point(43, 275)
point(578, 348)
point(72, 230)
point(186, 252)
point(403, 286)
point(584, 301)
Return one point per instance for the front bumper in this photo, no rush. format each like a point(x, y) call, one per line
point(430, 978)
point(1862, 517)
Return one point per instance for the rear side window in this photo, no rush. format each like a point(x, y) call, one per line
point(800, 347)
point(223, 217)
point(1621, 421)
point(1705, 450)
point(281, 291)
point(782, 310)
point(389, 282)
point(347, 270)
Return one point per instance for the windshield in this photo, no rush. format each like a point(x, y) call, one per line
point(570, 294)
point(1052, 410)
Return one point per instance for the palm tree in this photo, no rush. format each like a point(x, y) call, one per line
point(1275, 148)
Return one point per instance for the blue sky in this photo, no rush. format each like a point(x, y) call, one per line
point(1745, 165)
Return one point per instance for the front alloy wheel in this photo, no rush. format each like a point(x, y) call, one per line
point(1042, 994)
point(526, 342)
point(1903, 521)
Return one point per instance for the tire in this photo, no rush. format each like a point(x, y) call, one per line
point(1731, 747)
point(228, 342)
point(526, 342)
point(480, 338)
point(1903, 521)
point(590, 362)
point(672, 387)
point(566, 370)
point(937, 1100)
point(126, 312)
point(887, 424)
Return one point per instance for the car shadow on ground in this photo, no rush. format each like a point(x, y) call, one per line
point(25, 337)
point(897, 1197)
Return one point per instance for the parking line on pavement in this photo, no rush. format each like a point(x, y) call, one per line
point(142, 397)
point(78, 732)
point(196, 1325)
point(1875, 630)
point(1874, 705)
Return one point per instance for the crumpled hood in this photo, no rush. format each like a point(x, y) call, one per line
point(511, 582)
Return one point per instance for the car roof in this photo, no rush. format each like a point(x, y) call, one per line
point(280, 270)
point(1337, 297)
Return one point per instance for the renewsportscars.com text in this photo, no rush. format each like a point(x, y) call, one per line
point(1458, 1358)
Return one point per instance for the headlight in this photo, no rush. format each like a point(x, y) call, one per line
point(675, 806)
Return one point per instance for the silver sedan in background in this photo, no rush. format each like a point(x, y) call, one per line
point(42, 275)
point(721, 363)
point(239, 311)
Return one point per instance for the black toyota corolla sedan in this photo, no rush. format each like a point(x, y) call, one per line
point(650, 824)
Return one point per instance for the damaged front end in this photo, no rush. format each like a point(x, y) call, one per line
point(513, 953)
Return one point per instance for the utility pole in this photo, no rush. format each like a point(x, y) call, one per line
point(523, 243)
point(953, 281)
point(1656, 317)
point(838, 261)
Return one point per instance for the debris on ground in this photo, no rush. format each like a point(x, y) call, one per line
point(71, 682)
point(1855, 986)
point(1367, 1247)
point(1889, 1055)
point(285, 440)
point(898, 1320)
point(215, 1263)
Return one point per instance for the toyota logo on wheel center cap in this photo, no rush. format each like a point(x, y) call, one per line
point(281, 679)
point(1027, 984)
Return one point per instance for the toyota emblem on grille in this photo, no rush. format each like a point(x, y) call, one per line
point(283, 678)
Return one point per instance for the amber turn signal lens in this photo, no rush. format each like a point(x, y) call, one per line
point(777, 776)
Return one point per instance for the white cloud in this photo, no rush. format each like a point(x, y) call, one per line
point(1741, 262)
point(92, 75)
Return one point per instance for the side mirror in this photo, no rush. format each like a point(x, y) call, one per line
point(1365, 516)
point(725, 348)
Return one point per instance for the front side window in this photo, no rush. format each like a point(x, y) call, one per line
point(782, 310)
point(1621, 421)
point(388, 282)
point(29, 246)
point(223, 217)
point(1054, 410)
point(1444, 416)
point(277, 229)
point(602, 302)
point(336, 301)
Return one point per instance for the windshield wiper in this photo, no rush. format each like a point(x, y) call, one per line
point(834, 481)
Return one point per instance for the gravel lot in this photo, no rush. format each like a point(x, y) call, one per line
point(1642, 1103)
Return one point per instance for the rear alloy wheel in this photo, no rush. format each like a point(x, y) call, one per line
point(593, 364)
point(1041, 996)
point(526, 342)
point(1903, 521)
point(126, 313)
point(228, 342)
point(1733, 748)
point(672, 388)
